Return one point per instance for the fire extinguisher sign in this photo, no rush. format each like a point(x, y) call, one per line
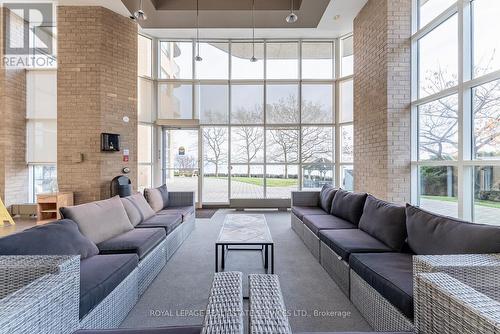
point(126, 154)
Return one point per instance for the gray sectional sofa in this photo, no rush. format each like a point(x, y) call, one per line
point(367, 246)
point(123, 244)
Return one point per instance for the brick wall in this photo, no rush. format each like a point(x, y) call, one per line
point(2, 110)
point(382, 89)
point(97, 87)
point(14, 176)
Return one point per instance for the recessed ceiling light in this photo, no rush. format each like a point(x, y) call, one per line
point(336, 17)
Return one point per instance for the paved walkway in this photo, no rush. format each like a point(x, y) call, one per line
point(216, 191)
point(483, 214)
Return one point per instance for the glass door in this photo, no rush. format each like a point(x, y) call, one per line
point(181, 160)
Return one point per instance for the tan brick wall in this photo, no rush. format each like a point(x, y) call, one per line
point(14, 176)
point(2, 110)
point(382, 32)
point(97, 87)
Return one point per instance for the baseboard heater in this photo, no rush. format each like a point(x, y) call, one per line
point(260, 203)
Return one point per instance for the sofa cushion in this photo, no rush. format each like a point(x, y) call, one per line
point(139, 241)
point(301, 211)
point(167, 222)
point(348, 205)
point(157, 197)
point(100, 275)
point(137, 208)
point(433, 234)
point(390, 274)
point(325, 222)
point(326, 197)
point(149, 330)
point(164, 194)
point(177, 210)
point(58, 238)
point(100, 220)
point(346, 242)
point(384, 221)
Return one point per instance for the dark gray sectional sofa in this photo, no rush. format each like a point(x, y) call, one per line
point(122, 243)
point(367, 246)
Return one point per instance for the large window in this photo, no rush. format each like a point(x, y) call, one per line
point(266, 127)
point(456, 108)
point(144, 59)
point(146, 108)
point(41, 130)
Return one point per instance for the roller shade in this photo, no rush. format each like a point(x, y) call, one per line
point(41, 114)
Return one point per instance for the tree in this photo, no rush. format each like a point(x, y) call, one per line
point(253, 143)
point(316, 141)
point(284, 146)
point(185, 164)
point(438, 120)
point(250, 138)
point(486, 102)
point(215, 146)
point(316, 144)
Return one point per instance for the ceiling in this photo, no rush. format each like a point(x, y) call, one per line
point(232, 18)
point(226, 13)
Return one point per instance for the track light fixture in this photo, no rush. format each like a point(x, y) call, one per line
point(292, 17)
point(139, 14)
point(197, 57)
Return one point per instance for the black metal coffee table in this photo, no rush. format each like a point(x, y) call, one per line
point(245, 230)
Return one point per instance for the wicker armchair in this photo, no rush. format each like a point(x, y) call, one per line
point(39, 294)
point(457, 294)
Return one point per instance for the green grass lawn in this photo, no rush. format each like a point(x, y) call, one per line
point(489, 204)
point(271, 182)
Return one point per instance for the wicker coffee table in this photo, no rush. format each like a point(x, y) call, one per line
point(245, 230)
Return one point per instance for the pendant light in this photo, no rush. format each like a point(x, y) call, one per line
point(292, 17)
point(197, 58)
point(139, 14)
point(253, 59)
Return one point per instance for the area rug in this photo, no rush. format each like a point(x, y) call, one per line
point(205, 213)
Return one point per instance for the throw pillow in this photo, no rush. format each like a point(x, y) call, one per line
point(101, 220)
point(433, 234)
point(384, 221)
point(58, 238)
point(164, 195)
point(154, 198)
point(348, 205)
point(137, 208)
point(326, 197)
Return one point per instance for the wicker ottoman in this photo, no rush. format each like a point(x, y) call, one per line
point(267, 309)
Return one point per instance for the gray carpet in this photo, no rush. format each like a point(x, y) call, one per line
point(178, 296)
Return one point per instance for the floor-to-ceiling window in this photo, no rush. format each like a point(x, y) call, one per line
point(41, 131)
point(265, 128)
point(456, 108)
point(146, 112)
